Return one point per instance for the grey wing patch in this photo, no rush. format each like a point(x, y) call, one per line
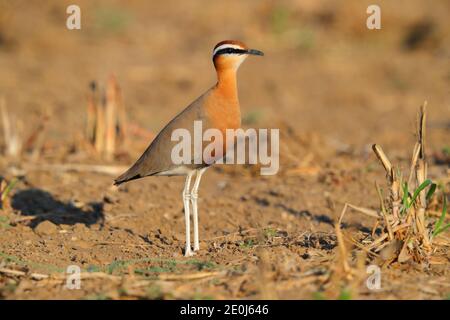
point(156, 159)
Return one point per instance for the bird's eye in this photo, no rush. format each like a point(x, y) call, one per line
point(229, 50)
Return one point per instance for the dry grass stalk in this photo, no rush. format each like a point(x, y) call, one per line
point(36, 141)
point(414, 162)
point(122, 122)
point(111, 117)
point(190, 276)
point(342, 250)
point(405, 210)
point(384, 212)
point(392, 176)
point(346, 276)
point(13, 140)
point(100, 129)
point(383, 159)
point(421, 175)
point(91, 113)
point(17, 273)
point(106, 120)
point(366, 211)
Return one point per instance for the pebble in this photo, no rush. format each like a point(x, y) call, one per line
point(46, 228)
point(80, 228)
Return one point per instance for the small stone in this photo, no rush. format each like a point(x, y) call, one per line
point(77, 203)
point(46, 228)
point(79, 228)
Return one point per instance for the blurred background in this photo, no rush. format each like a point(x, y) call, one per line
point(324, 72)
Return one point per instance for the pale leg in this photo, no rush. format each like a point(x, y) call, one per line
point(186, 198)
point(194, 197)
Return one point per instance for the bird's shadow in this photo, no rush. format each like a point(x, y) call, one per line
point(43, 206)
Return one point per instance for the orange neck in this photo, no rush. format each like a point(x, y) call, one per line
point(226, 83)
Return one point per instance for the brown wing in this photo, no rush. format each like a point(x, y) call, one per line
point(157, 157)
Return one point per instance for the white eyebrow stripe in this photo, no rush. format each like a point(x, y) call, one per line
point(227, 45)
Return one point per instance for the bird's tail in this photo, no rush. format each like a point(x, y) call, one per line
point(128, 175)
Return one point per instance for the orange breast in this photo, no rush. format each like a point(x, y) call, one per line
point(223, 112)
point(222, 107)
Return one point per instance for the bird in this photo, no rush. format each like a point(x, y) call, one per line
point(218, 108)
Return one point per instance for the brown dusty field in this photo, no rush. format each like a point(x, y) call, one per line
point(330, 85)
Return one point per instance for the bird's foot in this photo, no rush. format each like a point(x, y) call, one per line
point(196, 247)
point(188, 252)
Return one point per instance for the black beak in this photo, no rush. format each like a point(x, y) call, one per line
point(255, 52)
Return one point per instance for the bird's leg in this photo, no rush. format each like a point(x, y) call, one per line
point(186, 198)
point(194, 197)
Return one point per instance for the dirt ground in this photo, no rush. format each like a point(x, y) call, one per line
point(330, 85)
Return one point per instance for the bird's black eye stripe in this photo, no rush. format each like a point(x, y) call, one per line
point(230, 51)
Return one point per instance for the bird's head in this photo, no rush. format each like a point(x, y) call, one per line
point(229, 54)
